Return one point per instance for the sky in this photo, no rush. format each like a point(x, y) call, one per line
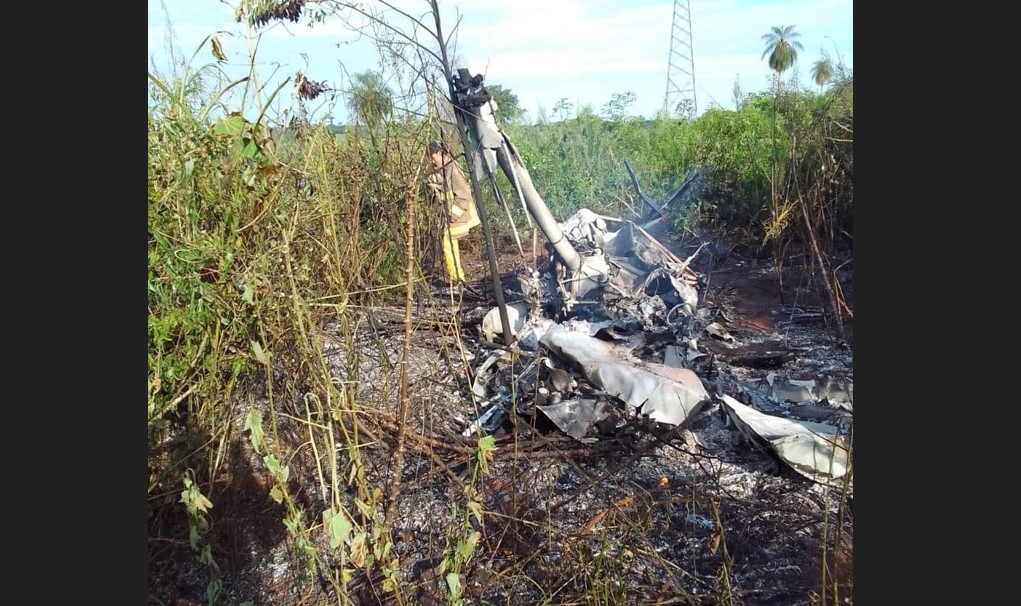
point(584, 51)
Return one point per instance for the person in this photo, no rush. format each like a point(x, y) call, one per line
point(450, 187)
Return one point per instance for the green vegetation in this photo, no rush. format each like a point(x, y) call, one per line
point(263, 231)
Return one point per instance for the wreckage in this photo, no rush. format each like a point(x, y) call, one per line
point(611, 330)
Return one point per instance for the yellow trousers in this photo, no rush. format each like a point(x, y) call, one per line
point(452, 252)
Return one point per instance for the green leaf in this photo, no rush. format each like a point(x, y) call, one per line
point(250, 149)
point(466, 548)
point(248, 294)
point(213, 591)
point(487, 445)
point(230, 126)
point(253, 423)
point(454, 583)
point(279, 471)
point(206, 557)
point(272, 463)
point(276, 494)
point(260, 355)
point(340, 528)
point(366, 510)
point(193, 537)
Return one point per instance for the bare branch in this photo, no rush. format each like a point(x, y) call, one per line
point(395, 30)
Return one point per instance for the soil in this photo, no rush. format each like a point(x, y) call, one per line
point(699, 517)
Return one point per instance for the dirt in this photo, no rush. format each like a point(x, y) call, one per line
point(703, 517)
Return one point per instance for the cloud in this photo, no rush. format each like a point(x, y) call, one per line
point(544, 50)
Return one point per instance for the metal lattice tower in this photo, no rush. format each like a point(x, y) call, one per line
point(680, 78)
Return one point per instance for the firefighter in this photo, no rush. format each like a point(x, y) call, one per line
point(448, 185)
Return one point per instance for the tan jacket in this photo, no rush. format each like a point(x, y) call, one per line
point(449, 184)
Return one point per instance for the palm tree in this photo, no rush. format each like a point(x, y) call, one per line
point(782, 47)
point(822, 71)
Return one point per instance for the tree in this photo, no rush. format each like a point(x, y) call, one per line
point(822, 71)
point(507, 103)
point(782, 47)
point(563, 109)
point(616, 109)
point(369, 98)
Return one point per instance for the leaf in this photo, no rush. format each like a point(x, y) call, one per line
point(366, 510)
point(218, 50)
point(194, 499)
point(232, 126)
point(359, 549)
point(340, 528)
point(279, 471)
point(476, 508)
point(250, 149)
point(206, 557)
point(487, 445)
point(466, 548)
point(714, 540)
point(213, 591)
point(276, 494)
point(202, 503)
point(454, 583)
point(247, 295)
point(253, 423)
point(389, 586)
point(193, 537)
point(260, 355)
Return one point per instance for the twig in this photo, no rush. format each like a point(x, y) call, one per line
point(405, 396)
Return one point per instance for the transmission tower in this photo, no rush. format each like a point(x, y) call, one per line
point(680, 77)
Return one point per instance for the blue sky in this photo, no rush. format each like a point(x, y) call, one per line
point(541, 50)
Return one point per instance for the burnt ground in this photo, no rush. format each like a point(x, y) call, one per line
point(698, 517)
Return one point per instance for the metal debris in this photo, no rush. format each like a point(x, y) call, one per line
point(577, 417)
point(830, 390)
point(816, 451)
point(613, 299)
point(492, 326)
point(663, 393)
